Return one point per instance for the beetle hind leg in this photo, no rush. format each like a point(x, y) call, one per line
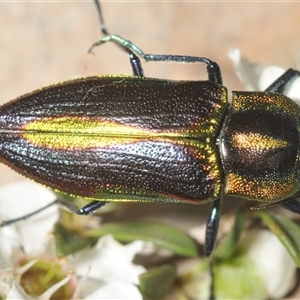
point(91, 207)
point(212, 227)
point(85, 210)
point(25, 217)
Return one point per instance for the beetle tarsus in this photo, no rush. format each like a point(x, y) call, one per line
point(92, 207)
point(134, 60)
point(213, 69)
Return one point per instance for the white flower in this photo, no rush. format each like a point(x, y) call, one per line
point(271, 259)
point(24, 243)
point(19, 199)
point(109, 265)
point(100, 272)
point(260, 268)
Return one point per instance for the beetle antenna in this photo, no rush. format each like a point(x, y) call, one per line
point(102, 23)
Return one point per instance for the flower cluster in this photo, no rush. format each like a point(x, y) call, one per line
point(30, 269)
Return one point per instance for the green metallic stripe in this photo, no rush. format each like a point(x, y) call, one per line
point(74, 132)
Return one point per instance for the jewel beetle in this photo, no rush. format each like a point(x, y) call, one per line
point(134, 138)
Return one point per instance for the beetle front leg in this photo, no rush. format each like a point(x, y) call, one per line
point(292, 204)
point(281, 83)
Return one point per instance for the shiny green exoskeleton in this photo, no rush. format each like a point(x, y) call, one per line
point(133, 138)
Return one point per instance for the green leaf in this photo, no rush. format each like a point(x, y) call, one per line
point(68, 242)
point(227, 246)
point(156, 283)
point(287, 231)
point(161, 235)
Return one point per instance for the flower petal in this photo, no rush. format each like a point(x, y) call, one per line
point(24, 197)
point(110, 261)
point(268, 76)
point(272, 260)
point(247, 72)
point(116, 290)
point(17, 292)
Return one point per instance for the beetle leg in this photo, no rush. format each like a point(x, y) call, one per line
point(212, 227)
point(135, 64)
point(85, 210)
point(134, 60)
point(213, 69)
point(292, 204)
point(9, 222)
point(91, 207)
point(101, 19)
point(281, 83)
